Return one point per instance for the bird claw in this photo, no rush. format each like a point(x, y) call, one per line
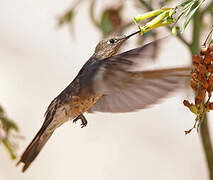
point(75, 120)
point(83, 125)
point(83, 120)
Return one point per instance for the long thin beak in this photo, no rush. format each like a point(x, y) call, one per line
point(128, 36)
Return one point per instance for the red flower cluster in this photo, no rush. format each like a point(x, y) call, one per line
point(202, 83)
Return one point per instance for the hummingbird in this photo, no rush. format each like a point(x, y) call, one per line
point(106, 83)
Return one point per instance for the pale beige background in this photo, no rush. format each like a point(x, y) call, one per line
point(37, 61)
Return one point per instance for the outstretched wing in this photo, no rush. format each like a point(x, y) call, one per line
point(125, 90)
point(146, 88)
point(106, 75)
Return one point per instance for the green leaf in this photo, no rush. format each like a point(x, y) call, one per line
point(191, 14)
point(9, 148)
point(175, 30)
point(163, 2)
point(66, 18)
point(1, 110)
point(8, 124)
point(211, 39)
point(188, 9)
point(185, 3)
point(189, 17)
point(106, 25)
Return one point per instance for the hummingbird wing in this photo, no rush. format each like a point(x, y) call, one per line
point(146, 88)
point(125, 90)
point(109, 73)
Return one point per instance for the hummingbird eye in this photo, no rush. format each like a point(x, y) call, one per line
point(111, 41)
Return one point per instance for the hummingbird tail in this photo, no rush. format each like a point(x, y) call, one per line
point(34, 148)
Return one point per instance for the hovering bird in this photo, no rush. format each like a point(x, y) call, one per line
point(106, 83)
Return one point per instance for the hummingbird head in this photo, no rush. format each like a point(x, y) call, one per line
point(110, 46)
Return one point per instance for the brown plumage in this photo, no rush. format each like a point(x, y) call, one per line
point(106, 83)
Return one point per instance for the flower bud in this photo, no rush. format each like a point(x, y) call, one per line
point(210, 80)
point(193, 84)
point(197, 58)
point(208, 58)
point(211, 106)
point(186, 103)
point(204, 50)
point(202, 69)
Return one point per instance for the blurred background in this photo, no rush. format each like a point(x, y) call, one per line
point(38, 60)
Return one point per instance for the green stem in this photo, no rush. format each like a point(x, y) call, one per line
point(9, 148)
point(207, 146)
point(194, 48)
point(125, 26)
point(204, 129)
point(209, 7)
point(180, 37)
point(147, 5)
point(149, 8)
point(195, 45)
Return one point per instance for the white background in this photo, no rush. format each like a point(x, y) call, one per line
point(37, 61)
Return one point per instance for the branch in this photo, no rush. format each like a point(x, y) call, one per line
point(209, 7)
point(207, 146)
point(92, 16)
point(180, 37)
point(149, 7)
point(204, 129)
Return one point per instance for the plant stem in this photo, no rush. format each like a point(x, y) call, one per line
point(206, 141)
point(180, 37)
point(147, 5)
point(194, 49)
point(195, 45)
point(204, 129)
point(209, 8)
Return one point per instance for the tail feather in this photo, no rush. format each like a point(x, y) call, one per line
point(34, 148)
point(41, 137)
point(178, 72)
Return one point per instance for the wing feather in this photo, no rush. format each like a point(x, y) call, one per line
point(125, 90)
point(142, 92)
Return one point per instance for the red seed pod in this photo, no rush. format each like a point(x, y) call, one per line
point(194, 76)
point(210, 80)
point(204, 79)
point(206, 105)
point(210, 48)
point(198, 101)
point(197, 58)
point(209, 90)
point(193, 84)
point(211, 106)
point(186, 103)
point(208, 58)
point(204, 50)
point(195, 64)
point(205, 84)
point(200, 77)
point(210, 69)
point(201, 94)
point(202, 69)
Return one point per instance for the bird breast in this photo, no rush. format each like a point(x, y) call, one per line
point(80, 105)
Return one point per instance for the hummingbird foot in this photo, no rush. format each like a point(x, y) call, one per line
point(83, 120)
